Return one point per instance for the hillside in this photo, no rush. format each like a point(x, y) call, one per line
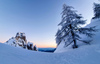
point(94, 22)
point(85, 54)
point(14, 55)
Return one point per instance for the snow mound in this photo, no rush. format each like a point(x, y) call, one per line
point(96, 38)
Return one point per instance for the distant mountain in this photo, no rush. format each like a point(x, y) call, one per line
point(46, 49)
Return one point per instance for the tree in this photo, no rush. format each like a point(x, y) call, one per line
point(35, 48)
point(71, 27)
point(30, 46)
point(58, 37)
point(96, 10)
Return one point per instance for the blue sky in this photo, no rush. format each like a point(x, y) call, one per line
point(38, 19)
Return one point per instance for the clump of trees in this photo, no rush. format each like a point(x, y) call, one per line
point(31, 47)
point(71, 28)
point(96, 10)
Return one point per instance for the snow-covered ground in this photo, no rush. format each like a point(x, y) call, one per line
point(85, 54)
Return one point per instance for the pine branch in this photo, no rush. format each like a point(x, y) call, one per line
point(85, 41)
point(88, 31)
point(68, 44)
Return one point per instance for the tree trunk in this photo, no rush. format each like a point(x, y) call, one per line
point(75, 46)
point(73, 36)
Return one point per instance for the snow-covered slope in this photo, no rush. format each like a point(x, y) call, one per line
point(96, 38)
point(83, 55)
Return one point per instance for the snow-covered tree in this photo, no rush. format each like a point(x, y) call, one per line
point(30, 46)
point(96, 10)
point(35, 48)
point(58, 37)
point(71, 27)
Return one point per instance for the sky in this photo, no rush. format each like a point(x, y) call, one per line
point(38, 19)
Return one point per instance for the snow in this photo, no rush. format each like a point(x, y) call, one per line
point(29, 43)
point(85, 54)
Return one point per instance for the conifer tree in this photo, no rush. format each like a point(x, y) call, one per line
point(71, 28)
point(96, 10)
